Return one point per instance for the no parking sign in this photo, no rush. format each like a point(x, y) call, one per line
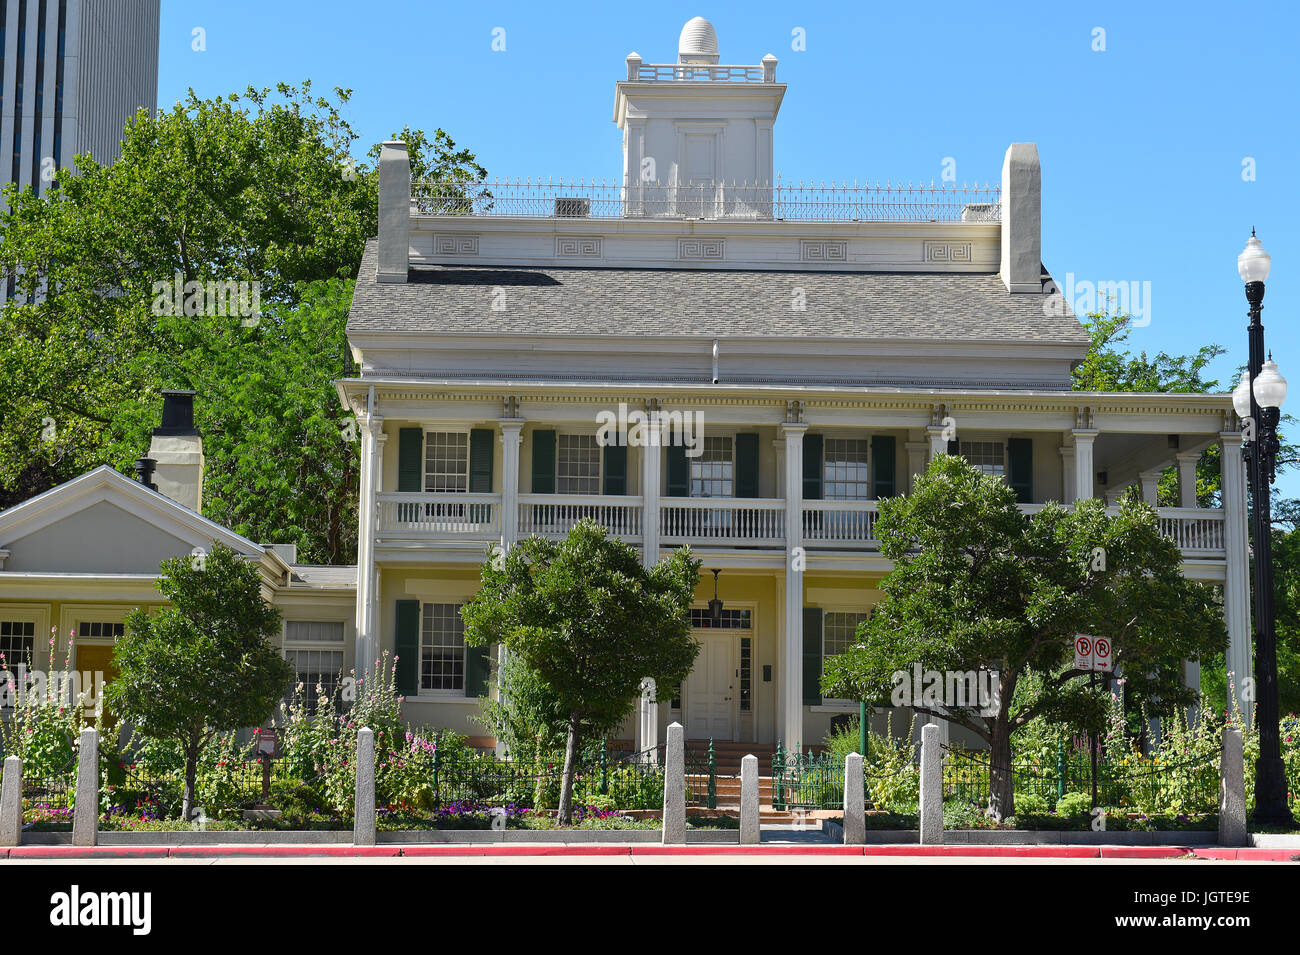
point(1093, 653)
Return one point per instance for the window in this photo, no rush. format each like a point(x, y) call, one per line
point(100, 629)
point(987, 457)
point(577, 464)
point(17, 641)
point(845, 475)
point(713, 472)
point(446, 461)
point(731, 619)
point(442, 647)
point(313, 631)
point(317, 674)
point(839, 632)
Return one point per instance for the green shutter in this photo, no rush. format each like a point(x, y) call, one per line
point(812, 467)
point(812, 656)
point(480, 461)
point(476, 671)
point(679, 471)
point(746, 465)
point(1020, 468)
point(954, 447)
point(615, 479)
point(543, 462)
point(410, 459)
point(408, 647)
point(883, 466)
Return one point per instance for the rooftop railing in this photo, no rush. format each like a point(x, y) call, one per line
point(784, 201)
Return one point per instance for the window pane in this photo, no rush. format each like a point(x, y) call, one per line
point(442, 648)
point(317, 673)
point(713, 472)
point(987, 457)
point(17, 642)
point(577, 464)
point(446, 461)
point(98, 628)
point(839, 632)
point(845, 470)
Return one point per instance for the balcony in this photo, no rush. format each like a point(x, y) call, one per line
point(748, 523)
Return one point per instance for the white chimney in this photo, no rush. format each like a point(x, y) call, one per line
point(178, 451)
point(394, 211)
point(1022, 219)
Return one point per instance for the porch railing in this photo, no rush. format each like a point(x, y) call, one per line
point(553, 515)
point(452, 516)
point(741, 521)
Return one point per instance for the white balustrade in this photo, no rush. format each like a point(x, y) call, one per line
point(553, 515)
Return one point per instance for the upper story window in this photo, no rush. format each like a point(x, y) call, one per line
point(713, 472)
point(577, 464)
point(845, 474)
point(446, 461)
point(987, 457)
point(313, 631)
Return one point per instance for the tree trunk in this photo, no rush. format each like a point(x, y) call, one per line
point(1002, 781)
point(566, 781)
point(191, 770)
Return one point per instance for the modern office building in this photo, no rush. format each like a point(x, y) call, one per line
point(72, 72)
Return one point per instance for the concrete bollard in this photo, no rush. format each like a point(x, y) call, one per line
point(855, 801)
point(85, 814)
point(11, 803)
point(750, 831)
point(931, 786)
point(363, 806)
point(1232, 791)
point(674, 821)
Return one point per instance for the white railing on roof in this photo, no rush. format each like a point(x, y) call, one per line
point(581, 199)
point(699, 73)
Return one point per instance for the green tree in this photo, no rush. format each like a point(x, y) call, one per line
point(202, 664)
point(590, 621)
point(979, 586)
point(254, 187)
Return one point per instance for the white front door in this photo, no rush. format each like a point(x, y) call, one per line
point(709, 698)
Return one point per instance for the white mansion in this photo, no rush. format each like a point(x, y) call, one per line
point(827, 341)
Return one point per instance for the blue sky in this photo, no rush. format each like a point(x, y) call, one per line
point(1142, 144)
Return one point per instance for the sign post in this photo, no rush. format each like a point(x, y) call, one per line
point(1093, 655)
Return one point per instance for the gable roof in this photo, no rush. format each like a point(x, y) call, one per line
point(706, 303)
point(107, 484)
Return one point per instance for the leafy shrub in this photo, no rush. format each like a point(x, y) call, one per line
point(1073, 804)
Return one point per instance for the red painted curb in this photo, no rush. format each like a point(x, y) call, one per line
point(1249, 854)
point(987, 852)
point(1144, 852)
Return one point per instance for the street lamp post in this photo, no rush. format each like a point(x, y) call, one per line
point(1259, 398)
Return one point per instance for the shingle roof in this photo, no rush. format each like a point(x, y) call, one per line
point(705, 303)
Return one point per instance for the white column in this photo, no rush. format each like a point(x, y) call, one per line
point(651, 478)
point(372, 473)
point(791, 730)
point(511, 439)
point(1067, 474)
point(1149, 481)
point(1236, 586)
point(1084, 476)
point(938, 443)
point(1187, 461)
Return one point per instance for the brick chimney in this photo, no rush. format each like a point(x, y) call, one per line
point(177, 450)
